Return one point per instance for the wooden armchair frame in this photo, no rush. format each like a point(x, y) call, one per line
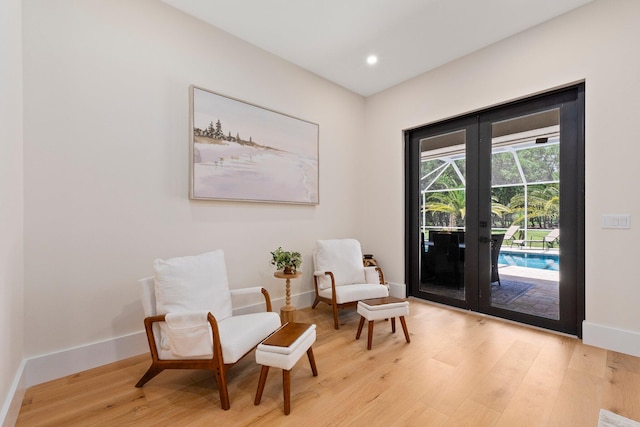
point(215, 364)
point(332, 302)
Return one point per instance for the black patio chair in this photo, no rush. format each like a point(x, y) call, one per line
point(496, 244)
point(446, 258)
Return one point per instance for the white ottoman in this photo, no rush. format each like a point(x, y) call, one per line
point(283, 349)
point(383, 308)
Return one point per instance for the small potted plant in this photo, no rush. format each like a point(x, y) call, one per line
point(286, 261)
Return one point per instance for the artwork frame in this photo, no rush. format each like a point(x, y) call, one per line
point(240, 151)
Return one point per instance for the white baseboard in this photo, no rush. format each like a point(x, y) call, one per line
point(13, 402)
point(609, 338)
point(48, 367)
point(302, 300)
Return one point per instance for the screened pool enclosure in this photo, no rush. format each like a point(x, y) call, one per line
point(525, 181)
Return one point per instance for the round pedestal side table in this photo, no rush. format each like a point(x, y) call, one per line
point(288, 312)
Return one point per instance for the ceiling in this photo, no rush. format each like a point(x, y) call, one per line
point(332, 38)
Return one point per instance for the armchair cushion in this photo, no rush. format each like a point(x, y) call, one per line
point(189, 333)
point(193, 283)
point(371, 275)
point(350, 293)
point(238, 335)
point(342, 257)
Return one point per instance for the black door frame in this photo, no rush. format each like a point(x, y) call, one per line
point(570, 101)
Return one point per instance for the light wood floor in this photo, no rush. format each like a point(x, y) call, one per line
point(459, 369)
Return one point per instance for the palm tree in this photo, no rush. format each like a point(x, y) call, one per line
point(452, 202)
point(498, 209)
point(543, 205)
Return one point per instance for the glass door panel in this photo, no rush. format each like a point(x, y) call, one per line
point(443, 205)
point(525, 214)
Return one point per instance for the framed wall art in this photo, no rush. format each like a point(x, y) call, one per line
point(244, 152)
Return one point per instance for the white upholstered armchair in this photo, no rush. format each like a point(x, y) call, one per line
point(189, 320)
point(340, 277)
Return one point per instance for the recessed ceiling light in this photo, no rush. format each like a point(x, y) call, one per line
point(372, 59)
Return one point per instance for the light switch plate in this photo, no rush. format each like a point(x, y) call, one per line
point(616, 221)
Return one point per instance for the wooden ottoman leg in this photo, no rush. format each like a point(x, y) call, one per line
point(404, 328)
point(393, 325)
point(360, 327)
point(263, 379)
point(370, 337)
point(286, 387)
point(312, 362)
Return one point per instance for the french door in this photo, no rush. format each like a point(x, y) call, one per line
point(495, 211)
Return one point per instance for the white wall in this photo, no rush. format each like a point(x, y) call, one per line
point(596, 43)
point(11, 209)
point(106, 163)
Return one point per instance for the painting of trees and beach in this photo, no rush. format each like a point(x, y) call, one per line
point(244, 152)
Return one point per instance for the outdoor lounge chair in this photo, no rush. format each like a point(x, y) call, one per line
point(550, 238)
point(510, 233)
point(547, 241)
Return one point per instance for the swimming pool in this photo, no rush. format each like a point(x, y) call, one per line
point(542, 261)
